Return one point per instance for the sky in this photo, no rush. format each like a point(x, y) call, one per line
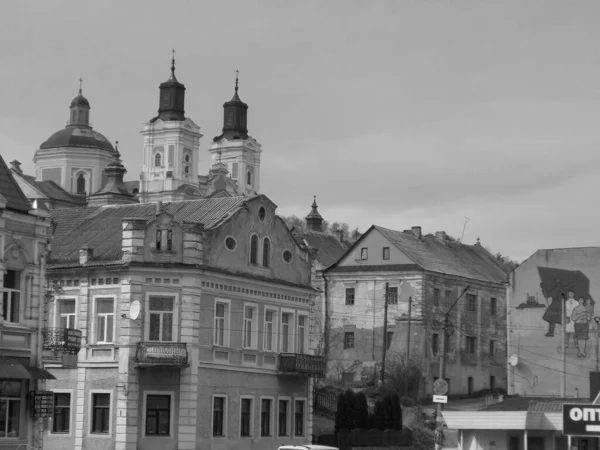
point(478, 115)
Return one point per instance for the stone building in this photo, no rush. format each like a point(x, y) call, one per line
point(424, 275)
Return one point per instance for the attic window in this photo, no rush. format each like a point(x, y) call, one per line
point(386, 253)
point(262, 213)
point(287, 256)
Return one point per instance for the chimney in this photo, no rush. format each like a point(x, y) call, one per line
point(132, 238)
point(416, 231)
point(16, 166)
point(192, 242)
point(441, 236)
point(85, 255)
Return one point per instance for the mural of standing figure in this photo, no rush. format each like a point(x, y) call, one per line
point(555, 284)
point(581, 318)
point(570, 326)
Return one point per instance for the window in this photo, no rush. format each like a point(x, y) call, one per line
point(246, 418)
point(254, 249)
point(266, 256)
point(388, 339)
point(262, 213)
point(219, 416)
point(349, 296)
point(269, 331)
point(471, 302)
point(169, 240)
point(493, 306)
point(302, 335)
point(435, 343)
point(221, 324)
point(80, 184)
point(249, 178)
point(158, 415)
point(283, 417)
point(11, 296)
point(349, 339)
point(250, 326)
point(234, 170)
point(161, 318)
point(287, 256)
point(286, 329)
point(393, 295)
point(100, 413)
point(158, 239)
point(469, 385)
point(436, 297)
point(364, 253)
point(448, 298)
point(492, 347)
point(186, 158)
point(186, 169)
point(105, 317)
point(10, 406)
point(157, 160)
point(230, 243)
point(492, 382)
point(386, 253)
point(61, 416)
point(266, 406)
point(471, 344)
point(66, 313)
point(299, 418)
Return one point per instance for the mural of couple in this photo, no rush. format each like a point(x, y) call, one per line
point(576, 307)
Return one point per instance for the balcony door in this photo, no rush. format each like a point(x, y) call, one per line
point(161, 311)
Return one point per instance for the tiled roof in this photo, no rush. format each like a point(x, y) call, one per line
point(329, 247)
point(10, 190)
point(449, 257)
point(52, 190)
point(101, 227)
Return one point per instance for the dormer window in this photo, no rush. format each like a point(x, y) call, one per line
point(158, 160)
point(169, 240)
point(158, 239)
point(164, 240)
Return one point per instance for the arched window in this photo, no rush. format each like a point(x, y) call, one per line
point(254, 249)
point(186, 158)
point(266, 256)
point(186, 169)
point(249, 178)
point(157, 160)
point(80, 184)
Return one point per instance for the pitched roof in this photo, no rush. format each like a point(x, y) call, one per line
point(533, 404)
point(329, 247)
point(101, 227)
point(10, 190)
point(448, 257)
point(52, 190)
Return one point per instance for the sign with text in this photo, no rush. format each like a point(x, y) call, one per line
point(440, 399)
point(581, 420)
point(43, 403)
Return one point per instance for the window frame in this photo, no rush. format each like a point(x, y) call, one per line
point(304, 416)
point(253, 253)
point(266, 252)
point(347, 297)
point(392, 295)
point(51, 427)
point(291, 327)
point(287, 416)
point(91, 416)
point(58, 315)
point(385, 253)
point(95, 299)
point(174, 331)
point(251, 424)
point(436, 297)
point(306, 329)
point(364, 253)
point(226, 323)
point(492, 348)
point(225, 397)
point(274, 331)
point(21, 298)
point(493, 306)
point(253, 329)
point(471, 345)
point(171, 394)
point(471, 302)
point(22, 404)
point(157, 157)
point(271, 416)
point(348, 334)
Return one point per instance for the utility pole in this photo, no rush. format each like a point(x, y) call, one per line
point(385, 309)
point(442, 374)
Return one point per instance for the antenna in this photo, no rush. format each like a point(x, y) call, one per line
point(464, 227)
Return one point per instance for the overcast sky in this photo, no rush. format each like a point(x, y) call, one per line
point(395, 113)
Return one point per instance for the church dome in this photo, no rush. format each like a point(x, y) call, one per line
point(80, 100)
point(78, 136)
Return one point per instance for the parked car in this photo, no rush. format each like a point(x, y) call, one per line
point(307, 447)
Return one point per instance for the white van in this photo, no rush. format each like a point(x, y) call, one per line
point(307, 447)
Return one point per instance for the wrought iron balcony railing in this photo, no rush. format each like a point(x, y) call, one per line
point(161, 354)
point(65, 340)
point(301, 363)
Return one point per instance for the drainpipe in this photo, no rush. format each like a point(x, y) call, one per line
point(326, 323)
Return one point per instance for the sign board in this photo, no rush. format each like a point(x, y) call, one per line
point(581, 420)
point(440, 399)
point(440, 386)
point(43, 403)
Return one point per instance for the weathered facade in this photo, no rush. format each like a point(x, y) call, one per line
point(424, 275)
point(24, 235)
point(219, 354)
point(553, 332)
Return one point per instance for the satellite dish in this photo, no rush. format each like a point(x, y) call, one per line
point(134, 309)
point(513, 360)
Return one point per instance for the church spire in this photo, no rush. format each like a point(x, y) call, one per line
point(80, 109)
point(314, 220)
point(235, 116)
point(172, 97)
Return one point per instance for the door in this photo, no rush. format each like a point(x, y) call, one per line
point(470, 385)
point(535, 443)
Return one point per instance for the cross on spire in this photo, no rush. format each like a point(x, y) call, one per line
point(173, 65)
point(80, 84)
point(237, 73)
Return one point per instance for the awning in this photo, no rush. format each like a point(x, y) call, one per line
point(11, 369)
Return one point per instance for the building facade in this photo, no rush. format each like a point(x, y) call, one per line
point(195, 316)
point(24, 233)
point(423, 277)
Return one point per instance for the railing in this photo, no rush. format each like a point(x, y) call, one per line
point(66, 340)
point(155, 354)
point(325, 399)
point(300, 363)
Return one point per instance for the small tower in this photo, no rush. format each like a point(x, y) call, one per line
point(171, 146)
point(235, 148)
point(114, 191)
point(314, 220)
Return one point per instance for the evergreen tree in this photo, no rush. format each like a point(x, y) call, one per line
point(379, 415)
point(341, 413)
point(362, 409)
point(352, 409)
point(388, 407)
point(397, 412)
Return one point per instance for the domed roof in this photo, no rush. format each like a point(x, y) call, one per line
point(78, 136)
point(80, 100)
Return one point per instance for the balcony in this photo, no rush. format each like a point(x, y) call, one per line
point(65, 340)
point(300, 363)
point(161, 354)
